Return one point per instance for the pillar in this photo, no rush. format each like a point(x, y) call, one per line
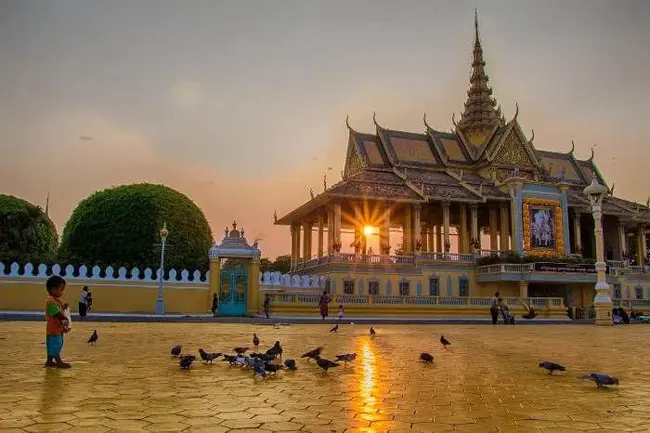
point(473, 210)
point(523, 289)
point(407, 239)
point(438, 239)
point(293, 247)
point(330, 231)
point(463, 240)
point(298, 256)
point(430, 233)
point(215, 279)
point(384, 234)
point(504, 229)
point(622, 239)
point(445, 223)
point(320, 236)
point(493, 229)
point(358, 230)
point(641, 245)
point(417, 226)
point(253, 303)
point(307, 229)
point(577, 233)
point(336, 224)
point(357, 239)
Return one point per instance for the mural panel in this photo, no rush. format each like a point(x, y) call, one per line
point(543, 227)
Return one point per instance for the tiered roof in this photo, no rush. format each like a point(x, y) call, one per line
point(468, 164)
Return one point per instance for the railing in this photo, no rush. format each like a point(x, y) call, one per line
point(375, 259)
point(454, 301)
point(631, 303)
point(505, 267)
point(448, 257)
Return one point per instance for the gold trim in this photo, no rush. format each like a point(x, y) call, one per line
point(559, 227)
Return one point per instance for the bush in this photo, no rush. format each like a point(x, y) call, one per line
point(120, 226)
point(26, 233)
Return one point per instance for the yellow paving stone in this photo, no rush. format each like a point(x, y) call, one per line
point(15, 423)
point(55, 427)
point(281, 426)
point(210, 429)
point(240, 423)
point(167, 427)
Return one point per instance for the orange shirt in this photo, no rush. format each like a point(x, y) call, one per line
point(53, 324)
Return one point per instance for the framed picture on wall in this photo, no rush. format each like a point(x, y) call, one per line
point(543, 227)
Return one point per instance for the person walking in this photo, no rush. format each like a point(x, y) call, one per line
point(267, 306)
point(215, 305)
point(83, 303)
point(494, 307)
point(323, 304)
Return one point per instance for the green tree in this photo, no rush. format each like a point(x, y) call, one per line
point(26, 233)
point(281, 264)
point(265, 264)
point(120, 226)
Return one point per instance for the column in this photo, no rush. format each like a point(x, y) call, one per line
point(293, 246)
point(358, 229)
point(504, 229)
point(493, 229)
point(417, 226)
point(430, 237)
point(641, 245)
point(577, 233)
point(306, 253)
point(337, 223)
point(445, 222)
point(407, 239)
point(298, 244)
point(384, 234)
point(320, 236)
point(622, 239)
point(330, 231)
point(473, 210)
point(463, 241)
point(438, 239)
point(523, 289)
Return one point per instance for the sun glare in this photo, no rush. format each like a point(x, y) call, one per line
point(368, 230)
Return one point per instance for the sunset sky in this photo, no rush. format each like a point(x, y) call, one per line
point(241, 105)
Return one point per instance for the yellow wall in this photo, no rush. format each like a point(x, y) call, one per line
point(28, 294)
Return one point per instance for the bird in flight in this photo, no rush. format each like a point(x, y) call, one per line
point(85, 138)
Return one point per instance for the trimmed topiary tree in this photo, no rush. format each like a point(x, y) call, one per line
point(26, 233)
point(120, 226)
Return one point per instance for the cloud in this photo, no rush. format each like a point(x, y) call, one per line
point(187, 94)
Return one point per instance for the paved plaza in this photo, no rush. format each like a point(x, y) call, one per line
point(487, 382)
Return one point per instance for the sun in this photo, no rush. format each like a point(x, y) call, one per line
point(368, 230)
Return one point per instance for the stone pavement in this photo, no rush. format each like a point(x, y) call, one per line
point(487, 382)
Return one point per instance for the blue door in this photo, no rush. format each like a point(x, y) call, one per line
point(232, 293)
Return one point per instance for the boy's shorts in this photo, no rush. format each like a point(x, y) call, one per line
point(54, 344)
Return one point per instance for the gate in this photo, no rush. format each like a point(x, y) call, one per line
point(232, 293)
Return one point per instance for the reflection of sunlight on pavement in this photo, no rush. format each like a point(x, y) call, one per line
point(368, 379)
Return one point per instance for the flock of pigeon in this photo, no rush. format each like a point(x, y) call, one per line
point(263, 364)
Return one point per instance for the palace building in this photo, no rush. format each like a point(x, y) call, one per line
point(448, 211)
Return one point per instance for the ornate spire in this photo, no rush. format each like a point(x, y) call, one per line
point(480, 107)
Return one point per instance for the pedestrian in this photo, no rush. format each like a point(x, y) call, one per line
point(83, 303)
point(267, 305)
point(56, 323)
point(89, 301)
point(340, 311)
point(215, 304)
point(494, 307)
point(323, 304)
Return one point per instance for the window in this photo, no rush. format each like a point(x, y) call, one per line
point(348, 287)
point(639, 292)
point(463, 287)
point(328, 285)
point(617, 291)
point(373, 288)
point(404, 288)
point(434, 286)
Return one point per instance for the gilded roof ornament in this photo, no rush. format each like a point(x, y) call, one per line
point(453, 119)
point(532, 135)
point(425, 121)
point(347, 122)
point(591, 158)
point(573, 147)
point(516, 112)
point(611, 190)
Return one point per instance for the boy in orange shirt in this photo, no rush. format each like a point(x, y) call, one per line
point(55, 321)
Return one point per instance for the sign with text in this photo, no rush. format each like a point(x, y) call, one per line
point(578, 268)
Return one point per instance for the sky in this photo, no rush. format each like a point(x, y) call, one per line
point(241, 105)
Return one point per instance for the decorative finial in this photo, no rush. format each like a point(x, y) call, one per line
point(242, 232)
point(425, 121)
point(477, 40)
point(234, 225)
point(275, 216)
point(226, 231)
point(573, 147)
point(347, 122)
point(516, 112)
point(647, 202)
point(311, 193)
point(374, 118)
point(453, 119)
point(591, 158)
point(532, 135)
point(611, 190)
point(325, 182)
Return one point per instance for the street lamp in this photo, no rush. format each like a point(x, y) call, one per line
point(602, 301)
point(160, 301)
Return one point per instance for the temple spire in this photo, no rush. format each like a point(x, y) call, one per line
point(480, 108)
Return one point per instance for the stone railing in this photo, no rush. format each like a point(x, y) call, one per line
point(356, 258)
point(449, 257)
point(457, 301)
point(505, 268)
point(636, 304)
point(96, 273)
point(278, 281)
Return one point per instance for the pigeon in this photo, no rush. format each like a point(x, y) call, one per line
point(335, 329)
point(263, 356)
point(551, 366)
point(325, 364)
point(256, 340)
point(276, 350)
point(346, 357)
point(93, 338)
point(208, 357)
point(313, 354)
point(444, 341)
point(260, 370)
point(186, 361)
point(240, 350)
point(373, 333)
point(230, 358)
point(601, 379)
point(290, 364)
point(426, 357)
point(176, 350)
point(272, 368)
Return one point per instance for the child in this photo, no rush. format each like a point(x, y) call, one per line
point(56, 322)
point(340, 312)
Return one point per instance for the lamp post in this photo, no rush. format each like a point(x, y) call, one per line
point(602, 301)
point(160, 301)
